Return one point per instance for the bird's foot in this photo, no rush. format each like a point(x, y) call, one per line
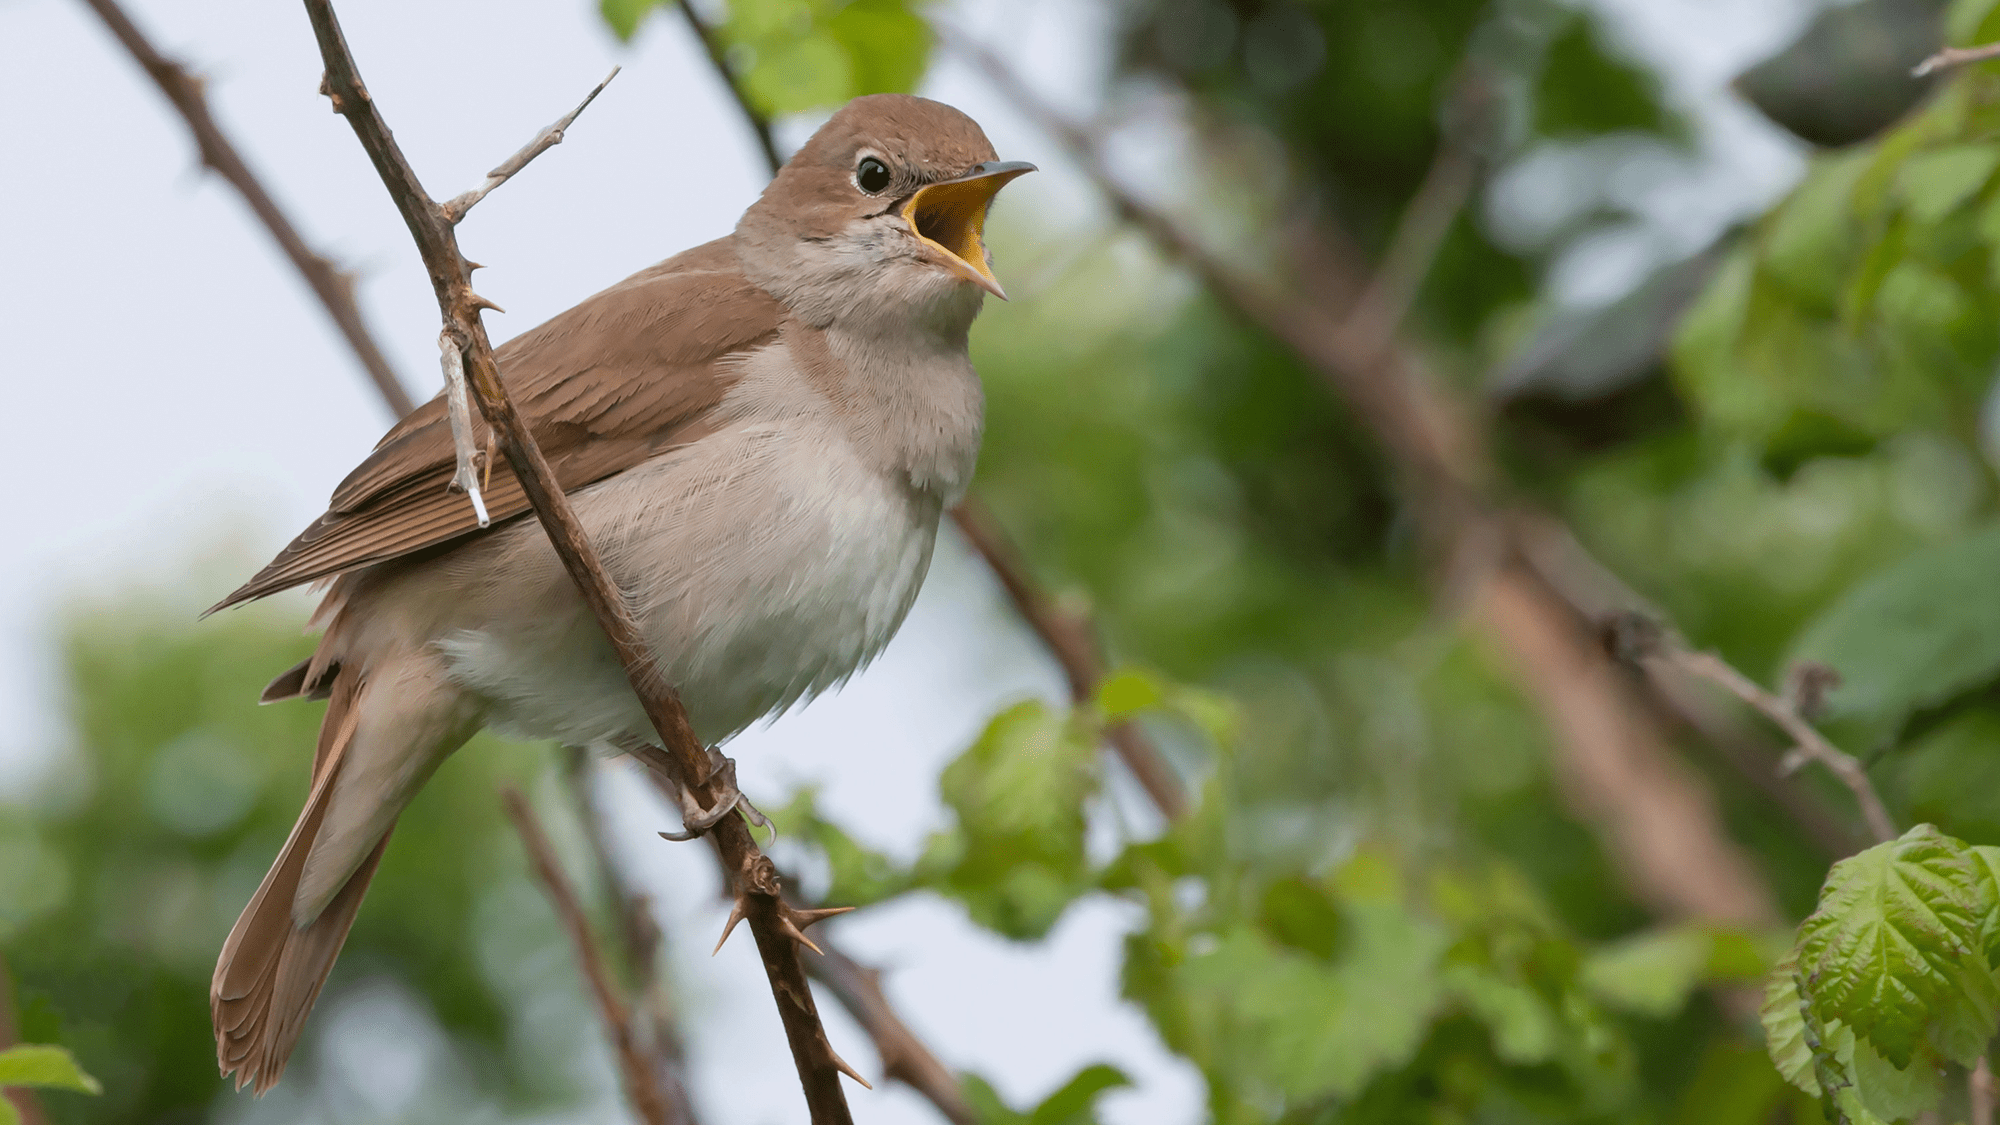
point(722, 778)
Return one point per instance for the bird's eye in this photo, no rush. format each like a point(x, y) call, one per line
point(872, 175)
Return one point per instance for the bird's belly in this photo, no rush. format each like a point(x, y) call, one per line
point(764, 564)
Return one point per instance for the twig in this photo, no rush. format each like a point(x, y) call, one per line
point(639, 941)
point(641, 1085)
point(754, 877)
point(760, 125)
point(1647, 640)
point(1979, 1093)
point(461, 204)
point(26, 1104)
point(1955, 56)
point(333, 286)
point(1655, 816)
point(1073, 642)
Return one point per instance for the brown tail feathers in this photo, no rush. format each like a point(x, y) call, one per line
point(271, 968)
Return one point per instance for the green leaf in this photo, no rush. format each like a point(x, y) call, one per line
point(887, 45)
point(1127, 692)
point(41, 1064)
point(1933, 184)
point(1970, 22)
point(1913, 635)
point(1785, 1029)
point(624, 16)
point(8, 1114)
point(1524, 1027)
point(1897, 942)
point(797, 74)
point(1017, 859)
point(1650, 974)
point(1074, 1103)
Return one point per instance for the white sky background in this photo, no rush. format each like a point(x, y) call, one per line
point(170, 383)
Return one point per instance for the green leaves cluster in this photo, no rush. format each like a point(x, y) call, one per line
point(1891, 977)
point(795, 56)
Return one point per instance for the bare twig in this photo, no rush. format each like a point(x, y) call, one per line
point(754, 877)
point(1643, 640)
point(25, 1103)
point(1955, 56)
point(458, 207)
point(1072, 640)
point(641, 1084)
point(1654, 815)
point(333, 286)
point(639, 938)
point(760, 125)
point(1979, 1093)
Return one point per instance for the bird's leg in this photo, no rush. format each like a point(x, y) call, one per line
point(722, 775)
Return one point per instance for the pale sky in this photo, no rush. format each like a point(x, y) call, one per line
point(173, 386)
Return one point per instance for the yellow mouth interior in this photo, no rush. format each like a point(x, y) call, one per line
point(952, 217)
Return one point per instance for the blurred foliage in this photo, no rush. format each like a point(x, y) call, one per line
point(119, 884)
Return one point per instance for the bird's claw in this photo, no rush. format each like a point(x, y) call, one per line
point(697, 820)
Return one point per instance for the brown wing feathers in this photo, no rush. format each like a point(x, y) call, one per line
point(620, 378)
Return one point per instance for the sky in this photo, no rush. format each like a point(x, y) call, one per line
point(181, 407)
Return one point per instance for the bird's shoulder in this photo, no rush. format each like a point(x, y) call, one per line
point(623, 376)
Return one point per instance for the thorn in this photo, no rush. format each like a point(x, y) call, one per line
point(479, 302)
point(840, 1065)
point(790, 930)
point(805, 918)
point(735, 916)
point(470, 265)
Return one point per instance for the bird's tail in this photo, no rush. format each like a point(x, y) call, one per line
point(272, 967)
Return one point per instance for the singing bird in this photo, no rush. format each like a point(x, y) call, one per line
point(758, 434)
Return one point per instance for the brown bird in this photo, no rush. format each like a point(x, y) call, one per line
point(759, 435)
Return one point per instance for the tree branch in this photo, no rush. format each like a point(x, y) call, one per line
point(641, 1084)
point(760, 125)
point(461, 204)
point(333, 286)
point(1642, 639)
point(639, 941)
point(1979, 1093)
point(753, 875)
point(1654, 815)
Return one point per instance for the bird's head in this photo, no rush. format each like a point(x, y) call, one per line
point(882, 214)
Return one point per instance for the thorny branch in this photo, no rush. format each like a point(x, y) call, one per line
point(754, 877)
point(1642, 640)
point(641, 1084)
point(1658, 820)
point(333, 286)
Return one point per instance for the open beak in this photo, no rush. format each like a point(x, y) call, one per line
point(951, 217)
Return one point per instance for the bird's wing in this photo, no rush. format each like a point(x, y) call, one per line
point(620, 378)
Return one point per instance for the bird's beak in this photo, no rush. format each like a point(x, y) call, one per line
point(951, 217)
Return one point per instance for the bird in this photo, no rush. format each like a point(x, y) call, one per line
point(759, 436)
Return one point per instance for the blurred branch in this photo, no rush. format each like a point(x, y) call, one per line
point(1071, 637)
point(1654, 815)
point(1956, 56)
point(333, 286)
point(639, 941)
point(1643, 639)
point(754, 878)
point(641, 1083)
point(1979, 1093)
point(760, 125)
point(26, 1105)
